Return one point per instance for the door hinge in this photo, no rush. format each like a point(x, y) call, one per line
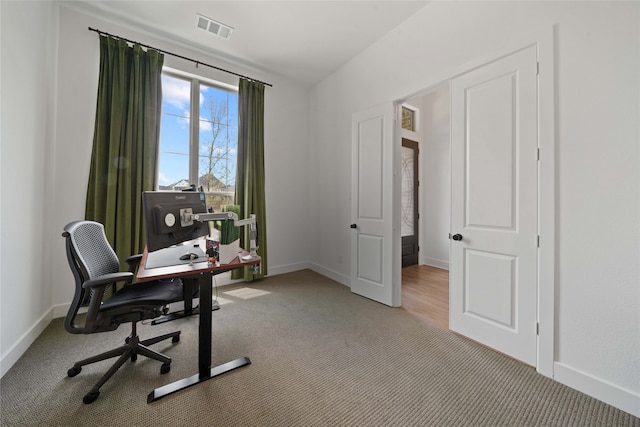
point(537, 68)
point(538, 240)
point(537, 328)
point(538, 154)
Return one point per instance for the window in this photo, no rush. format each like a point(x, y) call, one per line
point(203, 151)
point(408, 118)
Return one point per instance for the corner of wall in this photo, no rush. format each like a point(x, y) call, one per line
point(11, 356)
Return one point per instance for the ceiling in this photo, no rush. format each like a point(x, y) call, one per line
point(303, 40)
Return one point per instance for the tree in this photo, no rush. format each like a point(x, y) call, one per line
point(215, 171)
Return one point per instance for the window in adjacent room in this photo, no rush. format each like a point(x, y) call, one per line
point(408, 118)
point(202, 151)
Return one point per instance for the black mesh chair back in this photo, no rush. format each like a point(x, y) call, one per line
point(93, 252)
point(96, 270)
point(89, 255)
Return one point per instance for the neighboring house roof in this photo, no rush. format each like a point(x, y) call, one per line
point(202, 181)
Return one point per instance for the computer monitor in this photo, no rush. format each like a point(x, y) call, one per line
point(163, 216)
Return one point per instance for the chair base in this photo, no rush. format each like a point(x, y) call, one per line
point(130, 350)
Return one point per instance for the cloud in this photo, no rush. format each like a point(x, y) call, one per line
point(205, 125)
point(184, 119)
point(162, 179)
point(176, 92)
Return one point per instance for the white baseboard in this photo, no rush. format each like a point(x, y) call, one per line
point(331, 274)
point(11, 356)
point(287, 268)
point(61, 310)
point(623, 399)
point(438, 263)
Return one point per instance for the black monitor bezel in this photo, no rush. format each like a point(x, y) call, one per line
point(173, 201)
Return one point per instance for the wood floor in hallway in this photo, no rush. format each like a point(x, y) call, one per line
point(425, 293)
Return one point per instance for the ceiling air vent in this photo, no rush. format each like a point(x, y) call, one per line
point(213, 27)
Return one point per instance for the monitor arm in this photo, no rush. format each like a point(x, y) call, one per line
point(187, 217)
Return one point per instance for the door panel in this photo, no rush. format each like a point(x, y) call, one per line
point(370, 163)
point(494, 205)
point(370, 252)
point(490, 150)
point(372, 204)
point(489, 287)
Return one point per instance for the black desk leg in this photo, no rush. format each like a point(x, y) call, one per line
point(205, 371)
point(204, 328)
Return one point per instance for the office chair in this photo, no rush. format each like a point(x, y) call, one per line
point(96, 268)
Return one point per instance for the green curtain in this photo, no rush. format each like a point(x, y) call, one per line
point(125, 142)
point(250, 169)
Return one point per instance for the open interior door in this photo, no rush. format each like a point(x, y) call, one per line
point(372, 200)
point(494, 140)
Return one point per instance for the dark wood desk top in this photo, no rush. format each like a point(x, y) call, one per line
point(185, 270)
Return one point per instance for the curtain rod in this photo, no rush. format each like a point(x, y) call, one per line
point(179, 56)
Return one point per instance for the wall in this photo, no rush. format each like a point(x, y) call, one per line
point(28, 124)
point(435, 167)
point(597, 322)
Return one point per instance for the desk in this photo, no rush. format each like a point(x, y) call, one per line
point(203, 272)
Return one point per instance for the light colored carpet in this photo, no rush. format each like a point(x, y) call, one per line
point(321, 356)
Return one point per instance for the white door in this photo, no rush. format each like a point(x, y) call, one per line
point(493, 277)
point(372, 182)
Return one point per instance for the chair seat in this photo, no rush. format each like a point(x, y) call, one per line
point(156, 293)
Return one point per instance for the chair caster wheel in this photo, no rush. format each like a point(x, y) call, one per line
point(165, 368)
point(134, 357)
point(74, 371)
point(175, 339)
point(90, 397)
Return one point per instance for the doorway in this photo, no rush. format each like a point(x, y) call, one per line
point(365, 245)
point(493, 208)
point(409, 202)
point(425, 286)
point(425, 293)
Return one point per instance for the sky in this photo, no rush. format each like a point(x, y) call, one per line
point(174, 132)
